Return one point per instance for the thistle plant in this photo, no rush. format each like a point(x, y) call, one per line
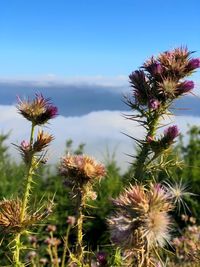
point(155, 87)
point(15, 215)
point(80, 172)
point(141, 224)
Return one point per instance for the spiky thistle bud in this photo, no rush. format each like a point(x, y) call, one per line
point(10, 216)
point(141, 87)
point(39, 111)
point(42, 141)
point(193, 64)
point(170, 134)
point(184, 87)
point(154, 104)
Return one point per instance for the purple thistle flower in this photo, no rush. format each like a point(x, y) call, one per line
point(101, 258)
point(154, 68)
point(154, 104)
point(25, 145)
point(185, 87)
point(38, 111)
point(193, 64)
point(171, 133)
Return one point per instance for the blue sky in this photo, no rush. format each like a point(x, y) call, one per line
point(80, 53)
point(91, 37)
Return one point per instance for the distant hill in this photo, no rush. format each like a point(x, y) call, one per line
point(77, 100)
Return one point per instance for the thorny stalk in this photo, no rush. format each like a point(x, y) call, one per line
point(28, 181)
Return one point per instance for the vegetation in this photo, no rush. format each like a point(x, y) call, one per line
point(83, 213)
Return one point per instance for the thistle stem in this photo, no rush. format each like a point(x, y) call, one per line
point(81, 204)
point(141, 158)
point(28, 179)
point(65, 246)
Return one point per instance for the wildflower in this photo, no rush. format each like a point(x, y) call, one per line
point(53, 241)
point(193, 64)
point(32, 239)
point(38, 111)
point(153, 67)
point(142, 216)
point(154, 104)
point(25, 150)
point(141, 87)
point(184, 87)
point(42, 141)
point(31, 255)
point(71, 220)
point(170, 134)
point(81, 168)
point(43, 261)
point(102, 258)
point(51, 228)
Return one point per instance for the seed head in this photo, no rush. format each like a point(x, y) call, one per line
point(39, 111)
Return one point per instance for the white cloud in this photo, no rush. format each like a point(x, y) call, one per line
point(99, 130)
point(52, 79)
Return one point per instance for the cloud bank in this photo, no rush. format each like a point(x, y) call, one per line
point(100, 131)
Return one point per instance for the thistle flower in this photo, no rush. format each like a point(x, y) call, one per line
point(25, 150)
point(43, 261)
point(71, 220)
point(153, 67)
point(184, 87)
point(42, 141)
point(170, 134)
point(142, 217)
point(154, 104)
point(175, 63)
point(102, 258)
point(38, 111)
point(141, 87)
point(193, 64)
point(81, 168)
point(51, 228)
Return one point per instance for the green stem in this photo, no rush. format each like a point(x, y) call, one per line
point(143, 155)
point(81, 204)
point(65, 246)
point(28, 179)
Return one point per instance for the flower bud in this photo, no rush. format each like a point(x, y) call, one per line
point(185, 87)
point(154, 104)
point(193, 64)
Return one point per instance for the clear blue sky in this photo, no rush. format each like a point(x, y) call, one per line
point(91, 37)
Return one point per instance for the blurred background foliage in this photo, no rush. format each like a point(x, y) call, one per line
point(49, 185)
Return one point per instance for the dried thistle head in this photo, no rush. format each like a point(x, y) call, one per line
point(38, 111)
point(142, 217)
point(42, 141)
point(10, 216)
point(81, 169)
